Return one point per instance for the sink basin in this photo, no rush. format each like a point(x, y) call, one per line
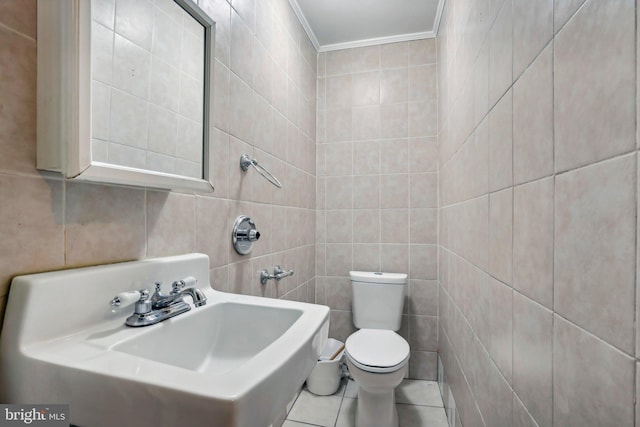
point(236, 333)
point(235, 362)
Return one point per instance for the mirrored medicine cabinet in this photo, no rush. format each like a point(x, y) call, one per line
point(125, 92)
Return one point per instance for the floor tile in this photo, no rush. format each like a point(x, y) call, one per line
point(347, 414)
point(418, 402)
point(289, 423)
point(318, 410)
point(420, 416)
point(418, 392)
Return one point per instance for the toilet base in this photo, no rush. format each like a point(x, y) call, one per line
point(376, 409)
point(376, 406)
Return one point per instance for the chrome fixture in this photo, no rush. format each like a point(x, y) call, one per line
point(246, 161)
point(149, 310)
point(244, 234)
point(278, 274)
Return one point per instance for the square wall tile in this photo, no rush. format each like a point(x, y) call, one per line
point(423, 365)
point(533, 240)
point(339, 91)
point(23, 18)
point(494, 395)
point(338, 159)
point(212, 229)
point(501, 144)
point(365, 58)
point(563, 10)
point(338, 62)
point(242, 107)
point(423, 190)
point(394, 120)
point(338, 293)
point(366, 123)
point(34, 223)
point(500, 304)
point(423, 226)
point(534, 22)
point(533, 120)
point(394, 55)
point(423, 154)
point(423, 333)
point(340, 226)
point(501, 235)
point(366, 192)
point(366, 157)
point(500, 53)
point(341, 325)
point(394, 191)
point(338, 259)
point(594, 84)
point(103, 224)
point(394, 86)
point(394, 258)
point(532, 357)
point(366, 226)
point(393, 226)
point(365, 88)
point(18, 83)
point(423, 297)
point(338, 124)
point(339, 192)
point(423, 262)
point(422, 52)
point(605, 396)
point(521, 417)
point(171, 223)
point(366, 257)
point(595, 220)
point(394, 156)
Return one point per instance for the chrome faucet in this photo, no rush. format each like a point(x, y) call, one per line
point(179, 290)
point(158, 307)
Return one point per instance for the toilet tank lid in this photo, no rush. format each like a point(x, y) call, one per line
point(378, 277)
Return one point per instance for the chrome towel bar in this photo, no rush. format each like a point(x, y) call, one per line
point(246, 161)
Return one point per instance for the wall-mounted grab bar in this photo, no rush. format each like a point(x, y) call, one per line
point(278, 274)
point(246, 161)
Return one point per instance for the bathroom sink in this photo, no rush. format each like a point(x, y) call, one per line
point(234, 362)
point(235, 333)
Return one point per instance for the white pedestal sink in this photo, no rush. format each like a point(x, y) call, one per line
point(235, 362)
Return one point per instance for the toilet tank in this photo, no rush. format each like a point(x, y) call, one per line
point(378, 299)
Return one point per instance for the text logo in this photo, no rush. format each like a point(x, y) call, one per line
point(34, 415)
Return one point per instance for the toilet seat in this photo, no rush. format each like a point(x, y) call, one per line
point(377, 350)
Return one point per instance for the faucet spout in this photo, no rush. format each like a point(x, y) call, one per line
point(198, 297)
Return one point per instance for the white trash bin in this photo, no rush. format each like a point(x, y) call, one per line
point(325, 376)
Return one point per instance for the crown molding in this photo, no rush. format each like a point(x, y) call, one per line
point(377, 41)
point(438, 17)
point(305, 24)
point(366, 42)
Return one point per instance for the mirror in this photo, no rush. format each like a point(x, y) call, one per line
point(134, 82)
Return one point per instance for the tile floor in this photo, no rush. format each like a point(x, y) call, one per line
point(419, 405)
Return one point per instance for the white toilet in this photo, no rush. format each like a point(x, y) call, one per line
point(376, 355)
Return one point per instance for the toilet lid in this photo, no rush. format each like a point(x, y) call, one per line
point(377, 348)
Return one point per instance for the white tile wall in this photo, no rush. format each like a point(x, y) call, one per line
point(545, 328)
point(377, 194)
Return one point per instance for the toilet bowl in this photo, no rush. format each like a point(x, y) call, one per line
point(377, 361)
point(377, 357)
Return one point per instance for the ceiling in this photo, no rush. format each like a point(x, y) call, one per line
point(342, 24)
